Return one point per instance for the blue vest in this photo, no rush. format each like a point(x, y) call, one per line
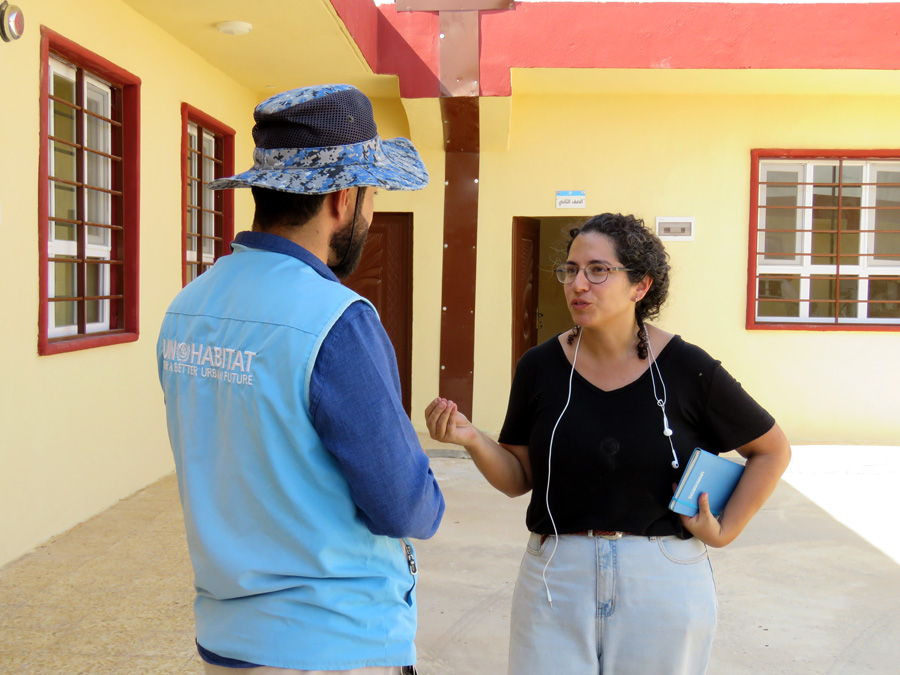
point(287, 575)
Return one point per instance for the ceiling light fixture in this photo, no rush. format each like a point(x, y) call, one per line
point(234, 27)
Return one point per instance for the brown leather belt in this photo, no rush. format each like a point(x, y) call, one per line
point(603, 534)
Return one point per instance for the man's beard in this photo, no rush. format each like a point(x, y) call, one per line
point(348, 258)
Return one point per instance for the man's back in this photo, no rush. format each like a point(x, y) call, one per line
point(284, 564)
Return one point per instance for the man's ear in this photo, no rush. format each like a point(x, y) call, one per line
point(339, 203)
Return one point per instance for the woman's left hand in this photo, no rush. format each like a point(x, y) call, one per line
point(705, 526)
point(767, 458)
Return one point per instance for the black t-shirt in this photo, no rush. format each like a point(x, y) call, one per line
point(611, 464)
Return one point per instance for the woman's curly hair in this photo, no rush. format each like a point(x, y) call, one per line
point(638, 249)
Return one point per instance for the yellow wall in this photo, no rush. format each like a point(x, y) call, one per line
point(420, 120)
point(79, 431)
point(689, 155)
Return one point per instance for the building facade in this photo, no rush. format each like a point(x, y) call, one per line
point(760, 138)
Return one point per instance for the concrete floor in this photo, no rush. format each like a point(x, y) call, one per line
point(799, 592)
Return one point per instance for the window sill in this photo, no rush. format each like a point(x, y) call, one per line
point(80, 342)
point(869, 327)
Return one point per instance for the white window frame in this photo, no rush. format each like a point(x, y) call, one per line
point(206, 225)
point(68, 248)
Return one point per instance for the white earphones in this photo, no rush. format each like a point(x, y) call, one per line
point(661, 402)
point(666, 430)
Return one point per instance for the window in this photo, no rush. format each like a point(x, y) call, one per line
point(208, 216)
point(88, 200)
point(825, 240)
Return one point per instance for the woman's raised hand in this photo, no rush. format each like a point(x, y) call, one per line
point(447, 425)
point(506, 467)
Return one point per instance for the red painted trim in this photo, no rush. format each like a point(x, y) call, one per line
point(396, 43)
point(131, 125)
point(409, 47)
point(81, 342)
point(207, 121)
point(868, 328)
point(185, 153)
point(772, 153)
point(102, 67)
point(227, 195)
point(778, 153)
point(654, 35)
point(662, 35)
point(43, 198)
point(362, 19)
point(191, 114)
point(131, 136)
point(754, 239)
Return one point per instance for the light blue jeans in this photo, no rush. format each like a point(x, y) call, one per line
point(631, 606)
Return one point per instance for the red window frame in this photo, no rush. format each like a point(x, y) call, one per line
point(125, 314)
point(223, 206)
point(761, 155)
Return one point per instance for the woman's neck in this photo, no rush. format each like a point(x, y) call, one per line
point(611, 343)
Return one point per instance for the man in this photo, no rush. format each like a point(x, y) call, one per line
point(300, 475)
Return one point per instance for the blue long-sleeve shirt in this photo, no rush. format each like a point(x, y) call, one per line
point(356, 409)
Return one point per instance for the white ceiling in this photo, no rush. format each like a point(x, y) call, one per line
point(293, 42)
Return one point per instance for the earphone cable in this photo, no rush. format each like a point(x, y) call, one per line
point(661, 402)
point(549, 464)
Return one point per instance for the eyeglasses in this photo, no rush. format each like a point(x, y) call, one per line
point(595, 272)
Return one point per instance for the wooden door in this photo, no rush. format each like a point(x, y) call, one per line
point(384, 277)
point(526, 254)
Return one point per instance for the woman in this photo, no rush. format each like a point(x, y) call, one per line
point(601, 422)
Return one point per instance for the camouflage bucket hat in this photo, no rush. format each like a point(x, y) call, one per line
point(323, 139)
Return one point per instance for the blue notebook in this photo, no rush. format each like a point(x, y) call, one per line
point(708, 473)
